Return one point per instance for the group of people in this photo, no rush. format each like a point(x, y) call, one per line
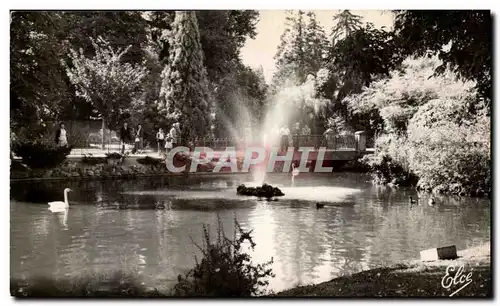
point(286, 136)
point(165, 141)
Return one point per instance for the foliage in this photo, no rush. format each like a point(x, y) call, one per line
point(104, 80)
point(434, 130)
point(301, 50)
point(240, 101)
point(364, 56)
point(345, 24)
point(469, 33)
point(225, 269)
point(390, 163)
point(451, 152)
point(120, 29)
point(38, 154)
point(397, 98)
point(157, 33)
point(38, 84)
point(114, 155)
point(222, 35)
point(184, 93)
point(148, 160)
point(299, 58)
point(88, 159)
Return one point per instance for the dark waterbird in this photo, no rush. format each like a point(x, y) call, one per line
point(412, 201)
point(320, 205)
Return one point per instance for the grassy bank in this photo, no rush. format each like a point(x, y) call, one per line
point(410, 279)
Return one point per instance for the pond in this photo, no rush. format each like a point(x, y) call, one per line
point(149, 226)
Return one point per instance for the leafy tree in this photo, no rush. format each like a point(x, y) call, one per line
point(346, 23)
point(354, 62)
point(121, 29)
point(299, 57)
point(316, 44)
point(290, 55)
point(184, 93)
point(39, 87)
point(222, 35)
point(159, 25)
point(433, 129)
point(469, 33)
point(397, 98)
point(244, 96)
point(105, 81)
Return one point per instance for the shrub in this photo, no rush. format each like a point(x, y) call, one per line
point(399, 97)
point(92, 160)
point(114, 155)
point(148, 160)
point(225, 269)
point(451, 157)
point(41, 155)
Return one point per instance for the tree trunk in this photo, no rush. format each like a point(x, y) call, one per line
point(103, 134)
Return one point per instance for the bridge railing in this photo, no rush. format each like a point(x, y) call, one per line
point(333, 142)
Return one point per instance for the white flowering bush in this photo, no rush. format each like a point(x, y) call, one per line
point(397, 98)
point(436, 132)
point(450, 154)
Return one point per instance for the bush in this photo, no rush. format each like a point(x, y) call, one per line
point(225, 269)
point(452, 158)
point(148, 160)
point(399, 97)
point(114, 155)
point(91, 160)
point(41, 155)
point(385, 170)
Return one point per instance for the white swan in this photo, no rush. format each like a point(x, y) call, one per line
point(59, 206)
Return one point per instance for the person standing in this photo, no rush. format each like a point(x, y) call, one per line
point(306, 132)
point(174, 135)
point(168, 143)
point(125, 136)
point(284, 137)
point(160, 138)
point(330, 138)
point(61, 136)
point(139, 138)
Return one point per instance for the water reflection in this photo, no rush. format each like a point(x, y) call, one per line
point(148, 227)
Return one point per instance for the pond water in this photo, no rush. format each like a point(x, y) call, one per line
point(148, 226)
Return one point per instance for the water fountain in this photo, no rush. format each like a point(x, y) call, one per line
point(284, 105)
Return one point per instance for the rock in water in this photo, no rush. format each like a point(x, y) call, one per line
point(264, 191)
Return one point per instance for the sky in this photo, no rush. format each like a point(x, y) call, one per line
point(261, 50)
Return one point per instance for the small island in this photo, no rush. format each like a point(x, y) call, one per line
point(264, 191)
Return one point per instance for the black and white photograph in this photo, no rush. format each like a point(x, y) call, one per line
point(238, 153)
